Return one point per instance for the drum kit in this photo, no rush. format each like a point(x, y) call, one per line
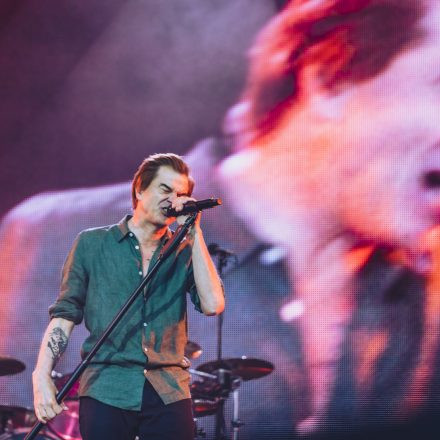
point(211, 385)
point(214, 383)
point(15, 421)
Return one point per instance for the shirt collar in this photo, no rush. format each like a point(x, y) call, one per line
point(122, 230)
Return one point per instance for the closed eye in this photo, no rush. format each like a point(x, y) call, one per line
point(165, 188)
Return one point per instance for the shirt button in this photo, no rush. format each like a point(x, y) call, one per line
point(140, 272)
point(131, 234)
point(145, 349)
point(145, 324)
point(145, 371)
point(136, 247)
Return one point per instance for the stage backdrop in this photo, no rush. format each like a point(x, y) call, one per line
point(350, 326)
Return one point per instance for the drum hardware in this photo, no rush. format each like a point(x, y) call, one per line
point(65, 426)
point(203, 374)
point(219, 379)
point(198, 432)
point(204, 397)
point(236, 422)
point(230, 372)
point(14, 417)
point(223, 256)
point(10, 366)
point(16, 421)
point(244, 367)
point(20, 434)
point(192, 350)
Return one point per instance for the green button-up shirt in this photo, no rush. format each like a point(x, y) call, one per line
point(102, 269)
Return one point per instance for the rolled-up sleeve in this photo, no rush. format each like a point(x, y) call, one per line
point(71, 299)
point(191, 288)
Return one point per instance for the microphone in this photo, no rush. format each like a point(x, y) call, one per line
point(191, 206)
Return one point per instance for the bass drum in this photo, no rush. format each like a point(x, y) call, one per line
point(205, 395)
point(15, 417)
point(66, 424)
point(20, 434)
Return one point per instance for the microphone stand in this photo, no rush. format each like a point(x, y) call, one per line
point(166, 251)
point(223, 376)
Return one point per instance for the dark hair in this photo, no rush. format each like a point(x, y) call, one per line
point(341, 41)
point(149, 167)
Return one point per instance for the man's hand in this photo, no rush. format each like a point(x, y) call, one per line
point(177, 205)
point(45, 404)
point(52, 347)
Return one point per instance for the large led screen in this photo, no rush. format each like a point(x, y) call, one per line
point(317, 124)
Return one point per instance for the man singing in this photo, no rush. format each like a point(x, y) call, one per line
point(137, 384)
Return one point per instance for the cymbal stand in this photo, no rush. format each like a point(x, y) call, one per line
point(228, 383)
point(200, 432)
point(202, 374)
point(224, 380)
point(223, 376)
point(236, 422)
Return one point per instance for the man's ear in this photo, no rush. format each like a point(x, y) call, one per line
point(138, 193)
point(320, 102)
point(329, 106)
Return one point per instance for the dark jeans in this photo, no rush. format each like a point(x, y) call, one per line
point(155, 421)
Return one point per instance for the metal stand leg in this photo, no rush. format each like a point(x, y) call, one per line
point(236, 422)
point(220, 426)
point(198, 432)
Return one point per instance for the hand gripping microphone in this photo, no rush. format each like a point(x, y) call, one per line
point(191, 206)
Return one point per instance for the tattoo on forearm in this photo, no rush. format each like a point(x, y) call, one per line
point(57, 343)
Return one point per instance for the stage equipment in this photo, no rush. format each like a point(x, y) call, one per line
point(66, 424)
point(217, 380)
point(10, 366)
point(15, 417)
point(194, 206)
point(193, 350)
point(20, 434)
point(244, 368)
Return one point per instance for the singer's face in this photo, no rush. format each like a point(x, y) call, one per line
point(361, 159)
point(165, 188)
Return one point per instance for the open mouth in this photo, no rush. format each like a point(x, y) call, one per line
point(164, 210)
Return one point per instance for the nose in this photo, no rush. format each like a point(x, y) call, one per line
point(172, 198)
point(430, 186)
point(431, 179)
point(426, 194)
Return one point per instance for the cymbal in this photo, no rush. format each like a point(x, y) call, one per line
point(246, 368)
point(192, 350)
point(12, 409)
point(10, 366)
